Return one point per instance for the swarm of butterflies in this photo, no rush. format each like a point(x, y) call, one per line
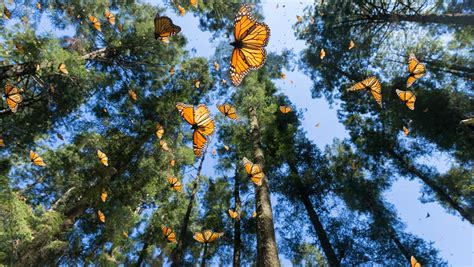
point(250, 39)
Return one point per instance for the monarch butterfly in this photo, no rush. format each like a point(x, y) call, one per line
point(175, 184)
point(172, 162)
point(181, 10)
point(6, 12)
point(285, 109)
point(165, 28)
point(62, 68)
point(60, 136)
point(216, 66)
point(254, 171)
point(414, 262)
point(406, 131)
point(2, 143)
point(159, 131)
point(171, 71)
point(194, 3)
point(95, 22)
point(169, 234)
point(283, 76)
point(164, 145)
point(109, 16)
point(250, 39)
point(233, 214)
point(38, 5)
point(226, 147)
point(132, 95)
point(299, 18)
point(371, 83)
point(103, 195)
point(200, 121)
point(322, 53)
point(317, 124)
point(13, 96)
point(416, 69)
point(207, 236)
point(197, 83)
point(254, 214)
point(103, 158)
point(351, 44)
point(228, 111)
point(101, 216)
point(36, 159)
point(408, 97)
point(125, 234)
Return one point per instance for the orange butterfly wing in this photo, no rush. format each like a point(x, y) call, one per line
point(408, 97)
point(159, 131)
point(13, 97)
point(169, 234)
point(95, 22)
point(103, 158)
point(416, 69)
point(371, 83)
point(101, 216)
point(36, 159)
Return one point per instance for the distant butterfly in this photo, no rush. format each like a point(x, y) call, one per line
point(194, 3)
point(181, 10)
point(164, 27)
point(171, 71)
point(172, 162)
point(372, 84)
point(95, 22)
point(169, 234)
point(285, 109)
point(197, 84)
point(164, 145)
point(216, 66)
point(226, 147)
point(125, 234)
point(200, 120)
point(160, 131)
point(233, 214)
point(103, 158)
point(416, 69)
point(20, 48)
point(250, 39)
point(207, 236)
point(228, 111)
point(2, 142)
point(317, 124)
point(254, 171)
point(406, 131)
point(60, 136)
point(36, 159)
point(6, 12)
point(62, 68)
point(299, 19)
point(13, 97)
point(101, 216)
point(214, 152)
point(223, 81)
point(408, 97)
point(103, 195)
point(351, 44)
point(132, 95)
point(414, 262)
point(254, 214)
point(109, 16)
point(38, 5)
point(175, 184)
point(283, 76)
point(322, 53)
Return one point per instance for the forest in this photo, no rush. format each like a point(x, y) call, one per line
point(219, 133)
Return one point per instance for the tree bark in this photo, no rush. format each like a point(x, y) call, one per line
point(454, 19)
point(440, 193)
point(314, 218)
point(267, 250)
point(237, 237)
point(203, 262)
point(178, 253)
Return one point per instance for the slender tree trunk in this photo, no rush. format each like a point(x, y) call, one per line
point(237, 237)
point(178, 253)
point(455, 19)
point(314, 218)
point(267, 250)
point(440, 193)
point(146, 244)
point(393, 235)
point(203, 262)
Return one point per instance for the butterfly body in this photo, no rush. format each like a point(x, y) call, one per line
point(165, 28)
point(201, 123)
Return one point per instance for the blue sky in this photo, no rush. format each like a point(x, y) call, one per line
point(453, 237)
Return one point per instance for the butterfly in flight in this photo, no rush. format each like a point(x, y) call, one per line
point(175, 184)
point(159, 131)
point(406, 131)
point(36, 159)
point(407, 97)
point(109, 16)
point(372, 84)
point(207, 236)
point(200, 120)
point(2, 143)
point(250, 39)
point(164, 145)
point(254, 214)
point(233, 214)
point(416, 69)
point(322, 53)
point(414, 262)
point(101, 216)
point(95, 22)
point(164, 28)
point(194, 3)
point(285, 109)
point(62, 68)
point(254, 171)
point(103, 158)
point(169, 234)
point(103, 195)
point(228, 111)
point(13, 96)
point(351, 44)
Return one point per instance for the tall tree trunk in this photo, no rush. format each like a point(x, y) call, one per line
point(454, 19)
point(440, 193)
point(237, 237)
point(178, 253)
point(393, 235)
point(203, 262)
point(314, 218)
point(267, 250)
